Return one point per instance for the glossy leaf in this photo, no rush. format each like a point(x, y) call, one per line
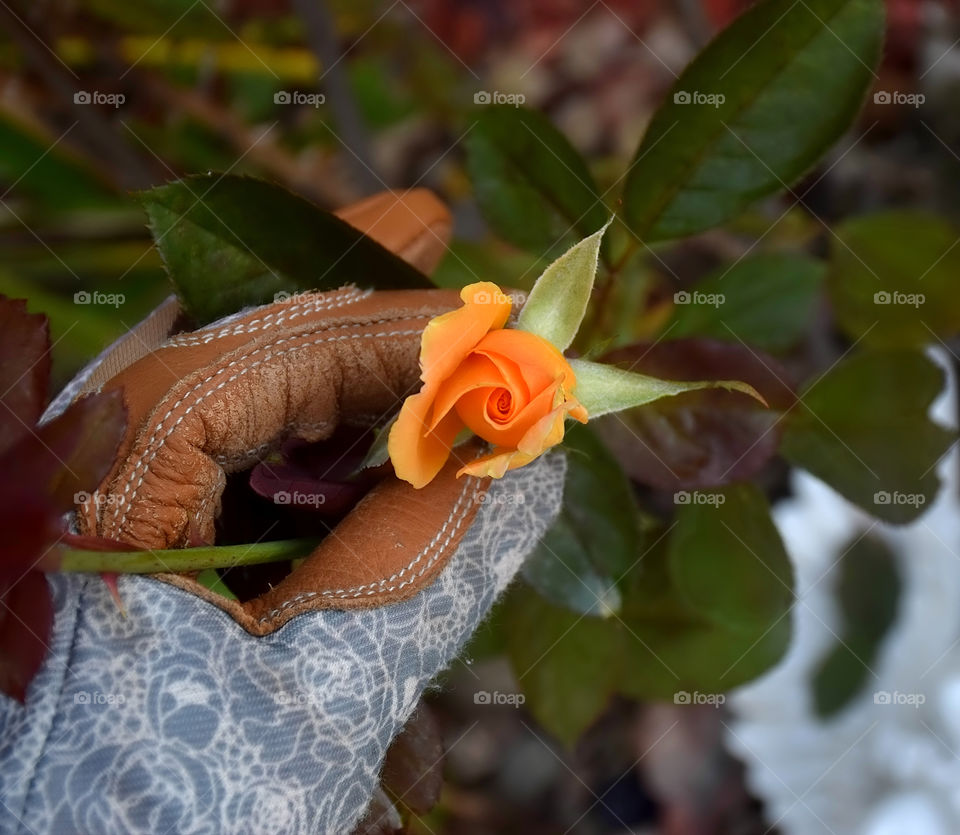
point(867, 590)
point(893, 278)
point(699, 438)
point(863, 428)
point(595, 540)
point(566, 664)
point(766, 301)
point(228, 242)
point(558, 301)
point(753, 111)
point(532, 185)
point(727, 559)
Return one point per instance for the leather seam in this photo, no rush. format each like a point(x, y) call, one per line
point(357, 591)
point(348, 297)
point(144, 462)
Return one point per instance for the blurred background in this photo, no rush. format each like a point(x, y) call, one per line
point(336, 100)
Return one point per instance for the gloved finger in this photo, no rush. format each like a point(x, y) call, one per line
point(213, 401)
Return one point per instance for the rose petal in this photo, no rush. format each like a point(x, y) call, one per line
point(494, 465)
point(418, 454)
point(538, 362)
point(472, 409)
point(475, 372)
point(545, 433)
point(448, 338)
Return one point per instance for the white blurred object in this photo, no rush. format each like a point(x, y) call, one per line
point(873, 768)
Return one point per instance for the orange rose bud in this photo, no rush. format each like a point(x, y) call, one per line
point(509, 387)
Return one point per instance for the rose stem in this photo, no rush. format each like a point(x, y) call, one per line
point(181, 560)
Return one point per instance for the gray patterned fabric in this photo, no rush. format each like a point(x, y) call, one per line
point(175, 720)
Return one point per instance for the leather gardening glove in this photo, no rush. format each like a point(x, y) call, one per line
point(199, 714)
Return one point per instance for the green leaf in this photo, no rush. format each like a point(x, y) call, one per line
point(558, 301)
point(863, 429)
point(670, 649)
point(766, 301)
point(595, 540)
point(603, 389)
point(893, 278)
point(685, 638)
point(532, 185)
point(378, 454)
point(792, 76)
point(727, 559)
point(228, 242)
point(213, 581)
point(666, 658)
point(566, 664)
point(867, 592)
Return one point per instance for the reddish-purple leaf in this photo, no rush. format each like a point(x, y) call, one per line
point(24, 370)
point(30, 524)
point(71, 453)
point(26, 621)
point(319, 477)
point(84, 441)
point(703, 438)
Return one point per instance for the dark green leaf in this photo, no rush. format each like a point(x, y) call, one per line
point(727, 559)
point(867, 592)
point(792, 76)
point(863, 429)
point(595, 539)
point(566, 664)
point(664, 659)
point(894, 278)
point(489, 639)
point(671, 648)
point(532, 185)
point(228, 242)
point(766, 301)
